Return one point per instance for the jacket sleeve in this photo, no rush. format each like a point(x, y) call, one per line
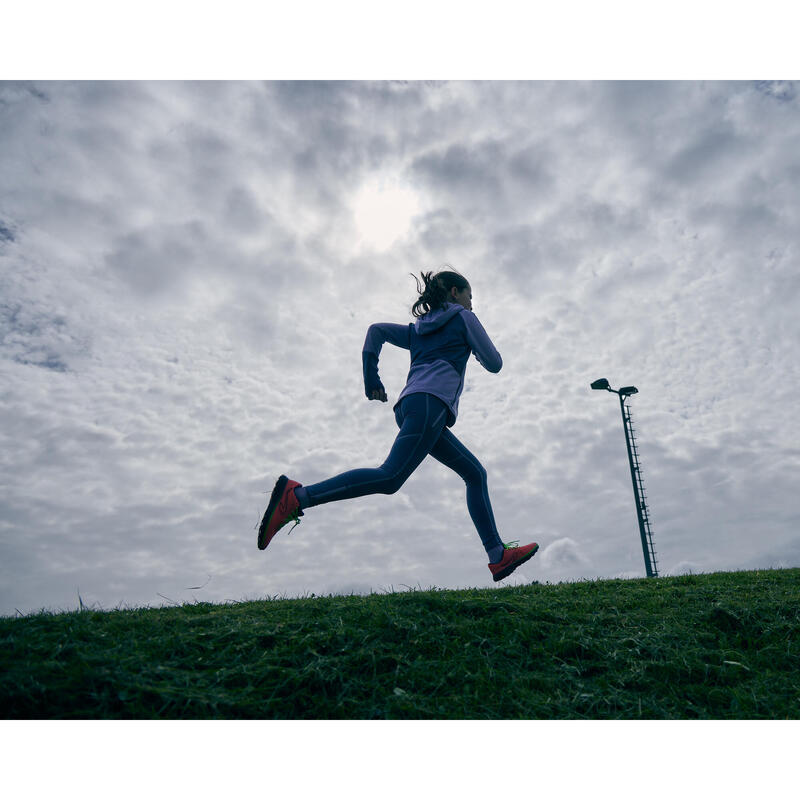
point(377, 334)
point(481, 344)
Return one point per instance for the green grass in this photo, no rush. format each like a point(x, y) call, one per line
point(717, 646)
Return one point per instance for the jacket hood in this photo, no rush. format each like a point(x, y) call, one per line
point(436, 319)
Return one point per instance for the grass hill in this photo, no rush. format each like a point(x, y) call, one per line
point(714, 646)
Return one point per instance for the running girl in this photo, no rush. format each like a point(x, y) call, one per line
point(440, 342)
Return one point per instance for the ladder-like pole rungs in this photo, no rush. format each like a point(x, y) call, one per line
point(639, 490)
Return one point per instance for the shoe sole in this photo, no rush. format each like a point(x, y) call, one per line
point(277, 493)
point(518, 563)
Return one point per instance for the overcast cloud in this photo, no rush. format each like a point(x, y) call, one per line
point(188, 270)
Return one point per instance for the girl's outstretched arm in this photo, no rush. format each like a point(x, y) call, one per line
point(377, 334)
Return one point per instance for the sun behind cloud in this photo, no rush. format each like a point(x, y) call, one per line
point(383, 210)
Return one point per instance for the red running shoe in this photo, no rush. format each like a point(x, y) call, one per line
point(283, 507)
point(513, 557)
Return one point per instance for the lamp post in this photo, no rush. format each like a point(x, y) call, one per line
point(642, 511)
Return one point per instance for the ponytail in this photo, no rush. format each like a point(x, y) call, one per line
point(434, 289)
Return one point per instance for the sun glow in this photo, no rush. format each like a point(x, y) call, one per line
point(383, 212)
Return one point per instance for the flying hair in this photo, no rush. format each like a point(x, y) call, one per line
point(433, 290)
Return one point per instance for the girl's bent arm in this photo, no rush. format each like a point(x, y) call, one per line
point(382, 332)
point(481, 344)
point(377, 334)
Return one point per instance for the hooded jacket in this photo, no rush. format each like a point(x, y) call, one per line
point(440, 344)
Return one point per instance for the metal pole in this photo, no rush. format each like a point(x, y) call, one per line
point(637, 497)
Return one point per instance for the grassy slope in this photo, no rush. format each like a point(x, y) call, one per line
point(717, 646)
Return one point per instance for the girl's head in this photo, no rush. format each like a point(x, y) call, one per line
point(443, 287)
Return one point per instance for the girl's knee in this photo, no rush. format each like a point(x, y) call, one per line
point(476, 475)
point(391, 484)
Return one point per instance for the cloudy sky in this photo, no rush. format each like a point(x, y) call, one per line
point(188, 271)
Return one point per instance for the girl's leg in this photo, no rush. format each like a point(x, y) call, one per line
point(421, 419)
point(450, 452)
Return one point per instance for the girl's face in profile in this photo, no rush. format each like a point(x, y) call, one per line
point(461, 296)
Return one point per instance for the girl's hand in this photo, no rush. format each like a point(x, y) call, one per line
point(379, 394)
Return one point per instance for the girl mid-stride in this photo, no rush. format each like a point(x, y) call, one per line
point(440, 341)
